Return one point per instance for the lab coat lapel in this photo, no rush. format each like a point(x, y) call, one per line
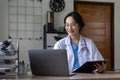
point(81, 45)
point(69, 52)
point(83, 53)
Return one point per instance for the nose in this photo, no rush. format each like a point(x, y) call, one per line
point(70, 27)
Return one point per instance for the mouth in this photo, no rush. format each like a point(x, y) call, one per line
point(70, 32)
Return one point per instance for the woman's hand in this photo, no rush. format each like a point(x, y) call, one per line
point(100, 68)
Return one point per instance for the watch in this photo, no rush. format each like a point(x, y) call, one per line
point(57, 5)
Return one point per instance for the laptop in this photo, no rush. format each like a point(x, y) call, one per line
point(49, 62)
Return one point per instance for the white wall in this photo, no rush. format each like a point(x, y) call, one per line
point(3, 19)
point(116, 29)
point(25, 44)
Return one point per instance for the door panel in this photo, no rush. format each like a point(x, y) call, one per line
point(98, 26)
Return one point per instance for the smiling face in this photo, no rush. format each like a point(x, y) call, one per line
point(72, 26)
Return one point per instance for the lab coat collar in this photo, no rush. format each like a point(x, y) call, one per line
point(81, 41)
point(67, 41)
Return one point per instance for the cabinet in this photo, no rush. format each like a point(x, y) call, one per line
point(50, 40)
point(50, 34)
point(50, 37)
point(9, 59)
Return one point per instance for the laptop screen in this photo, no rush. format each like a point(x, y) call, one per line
point(49, 62)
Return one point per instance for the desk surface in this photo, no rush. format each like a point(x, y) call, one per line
point(109, 75)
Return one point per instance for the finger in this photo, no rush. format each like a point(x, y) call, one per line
point(99, 67)
point(96, 66)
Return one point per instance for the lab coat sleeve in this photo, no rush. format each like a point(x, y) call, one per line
point(56, 46)
point(60, 44)
point(95, 52)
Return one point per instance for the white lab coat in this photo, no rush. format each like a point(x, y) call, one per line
point(87, 50)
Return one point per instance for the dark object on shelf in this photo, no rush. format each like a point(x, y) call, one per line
point(57, 38)
point(57, 32)
point(9, 61)
point(50, 21)
point(6, 43)
point(7, 48)
point(2, 73)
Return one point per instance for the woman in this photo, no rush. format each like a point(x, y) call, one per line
point(79, 49)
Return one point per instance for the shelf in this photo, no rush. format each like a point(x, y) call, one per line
point(10, 61)
point(9, 57)
point(56, 32)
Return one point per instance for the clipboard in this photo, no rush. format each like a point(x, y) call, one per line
point(88, 67)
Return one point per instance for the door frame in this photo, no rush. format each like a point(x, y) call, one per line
point(112, 24)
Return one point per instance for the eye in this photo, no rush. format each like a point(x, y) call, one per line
point(73, 24)
point(66, 25)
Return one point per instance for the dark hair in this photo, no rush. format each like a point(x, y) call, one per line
point(78, 18)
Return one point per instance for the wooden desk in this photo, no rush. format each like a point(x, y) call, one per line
point(110, 75)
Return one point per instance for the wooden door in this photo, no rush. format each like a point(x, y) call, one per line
point(98, 27)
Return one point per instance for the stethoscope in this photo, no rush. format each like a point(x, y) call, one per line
point(84, 47)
